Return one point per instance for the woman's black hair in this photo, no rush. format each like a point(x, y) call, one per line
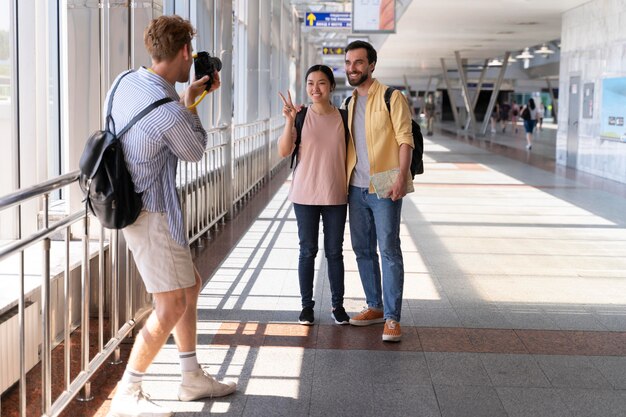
point(531, 103)
point(327, 72)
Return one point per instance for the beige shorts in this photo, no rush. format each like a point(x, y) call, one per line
point(164, 265)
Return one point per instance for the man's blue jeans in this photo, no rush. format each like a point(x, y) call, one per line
point(374, 220)
point(334, 223)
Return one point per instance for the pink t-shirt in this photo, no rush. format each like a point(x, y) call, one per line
point(320, 177)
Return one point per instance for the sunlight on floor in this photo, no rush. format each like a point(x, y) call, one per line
point(515, 238)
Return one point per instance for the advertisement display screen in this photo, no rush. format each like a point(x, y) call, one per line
point(374, 16)
point(613, 112)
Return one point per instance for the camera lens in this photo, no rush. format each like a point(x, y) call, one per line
point(217, 63)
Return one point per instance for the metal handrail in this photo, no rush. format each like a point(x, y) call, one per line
point(45, 187)
point(20, 245)
point(202, 190)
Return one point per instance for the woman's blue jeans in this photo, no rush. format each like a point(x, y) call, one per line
point(334, 223)
point(372, 221)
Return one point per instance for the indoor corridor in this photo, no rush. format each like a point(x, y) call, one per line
point(514, 302)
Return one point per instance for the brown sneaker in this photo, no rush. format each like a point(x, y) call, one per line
point(367, 317)
point(392, 331)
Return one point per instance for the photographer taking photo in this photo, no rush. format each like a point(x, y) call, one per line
point(157, 239)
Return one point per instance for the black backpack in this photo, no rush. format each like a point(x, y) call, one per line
point(417, 158)
point(299, 122)
point(104, 179)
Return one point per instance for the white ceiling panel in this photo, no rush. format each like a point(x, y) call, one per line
point(429, 30)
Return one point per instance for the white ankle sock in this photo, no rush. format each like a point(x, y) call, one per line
point(132, 376)
point(188, 361)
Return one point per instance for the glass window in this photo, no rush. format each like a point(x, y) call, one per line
point(54, 129)
point(8, 166)
point(7, 133)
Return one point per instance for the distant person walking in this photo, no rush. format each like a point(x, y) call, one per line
point(429, 111)
point(529, 115)
point(514, 114)
point(504, 112)
point(541, 110)
point(495, 115)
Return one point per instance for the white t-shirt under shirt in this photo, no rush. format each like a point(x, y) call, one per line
point(361, 174)
point(320, 176)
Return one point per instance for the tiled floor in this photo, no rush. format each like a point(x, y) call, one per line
point(514, 302)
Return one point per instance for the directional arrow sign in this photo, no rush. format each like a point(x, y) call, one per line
point(329, 20)
point(333, 50)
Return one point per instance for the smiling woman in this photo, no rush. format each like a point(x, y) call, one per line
point(316, 137)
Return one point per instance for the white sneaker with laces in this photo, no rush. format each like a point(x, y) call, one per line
point(131, 401)
point(199, 384)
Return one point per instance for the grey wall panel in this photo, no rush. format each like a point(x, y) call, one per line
point(224, 46)
point(205, 41)
point(252, 22)
point(142, 14)
point(594, 48)
point(275, 58)
point(179, 7)
point(119, 50)
point(264, 59)
point(83, 80)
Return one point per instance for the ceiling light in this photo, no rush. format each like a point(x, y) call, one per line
point(511, 59)
point(494, 63)
point(544, 51)
point(525, 54)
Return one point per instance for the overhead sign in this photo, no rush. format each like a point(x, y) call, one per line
point(333, 50)
point(374, 16)
point(329, 20)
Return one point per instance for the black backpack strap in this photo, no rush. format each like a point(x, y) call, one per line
point(344, 118)
point(388, 92)
point(109, 119)
point(143, 113)
point(347, 101)
point(299, 122)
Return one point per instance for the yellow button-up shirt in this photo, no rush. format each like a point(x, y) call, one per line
point(384, 132)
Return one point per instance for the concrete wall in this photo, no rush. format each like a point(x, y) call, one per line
point(593, 47)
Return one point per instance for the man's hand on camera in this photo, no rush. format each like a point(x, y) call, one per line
point(192, 92)
point(216, 82)
point(196, 88)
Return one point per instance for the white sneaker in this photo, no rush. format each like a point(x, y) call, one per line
point(199, 384)
point(131, 401)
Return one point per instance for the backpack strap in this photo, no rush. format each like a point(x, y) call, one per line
point(388, 92)
point(344, 119)
point(109, 119)
point(299, 122)
point(143, 113)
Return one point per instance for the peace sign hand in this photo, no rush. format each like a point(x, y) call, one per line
point(289, 110)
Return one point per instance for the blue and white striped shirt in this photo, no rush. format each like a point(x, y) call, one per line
point(153, 146)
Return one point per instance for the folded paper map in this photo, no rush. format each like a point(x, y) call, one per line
point(383, 181)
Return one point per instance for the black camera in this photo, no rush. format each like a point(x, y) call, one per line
point(205, 64)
